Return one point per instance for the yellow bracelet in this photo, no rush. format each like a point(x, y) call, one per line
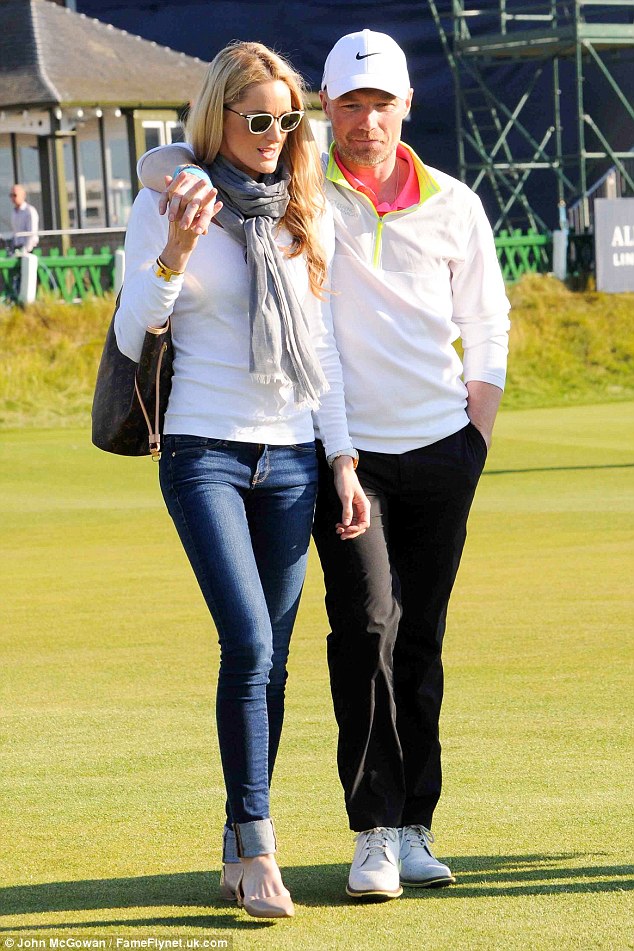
point(167, 273)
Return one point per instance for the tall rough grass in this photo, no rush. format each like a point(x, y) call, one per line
point(566, 347)
point(51, 352)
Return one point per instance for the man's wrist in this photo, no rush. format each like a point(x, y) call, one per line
point(485, 431)
point(192, 170)
point(349, 453)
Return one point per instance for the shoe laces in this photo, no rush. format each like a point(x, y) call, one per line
point(377, 839)
point(418, 836)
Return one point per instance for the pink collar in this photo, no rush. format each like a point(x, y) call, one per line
point(408, 193)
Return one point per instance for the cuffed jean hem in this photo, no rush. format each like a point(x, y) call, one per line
point(229, 846)
point(255, 838)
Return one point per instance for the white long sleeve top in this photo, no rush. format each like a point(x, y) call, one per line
point(212, 392)
point(25, 223)
point(407, 285)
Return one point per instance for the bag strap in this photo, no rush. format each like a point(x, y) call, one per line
point(153, 431)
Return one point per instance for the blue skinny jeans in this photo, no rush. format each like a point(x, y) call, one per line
point(244, 513)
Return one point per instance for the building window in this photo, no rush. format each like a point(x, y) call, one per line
point(162, 133)
point(154, 134)
point(118, 163)
point(175, 132)
point(88, 208)
point(29, 169)
point(6, 181)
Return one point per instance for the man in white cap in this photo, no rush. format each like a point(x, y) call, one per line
point(415, 268)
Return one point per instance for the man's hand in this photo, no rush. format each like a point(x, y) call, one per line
point(355, 505)
point(189, 201)
point(482, 406)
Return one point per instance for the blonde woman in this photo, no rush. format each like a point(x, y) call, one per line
point(255, 372)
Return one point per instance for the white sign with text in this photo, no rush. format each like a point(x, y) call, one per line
point(614, 244)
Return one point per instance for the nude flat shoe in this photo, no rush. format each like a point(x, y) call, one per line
point(275, 906)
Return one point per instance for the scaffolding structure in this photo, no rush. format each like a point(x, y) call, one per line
point(516, 64)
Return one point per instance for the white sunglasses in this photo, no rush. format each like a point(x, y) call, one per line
point(261, 122)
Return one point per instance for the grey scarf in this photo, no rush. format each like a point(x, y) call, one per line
point(281, 347)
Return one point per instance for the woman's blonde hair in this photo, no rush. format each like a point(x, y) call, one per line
point(231, 73)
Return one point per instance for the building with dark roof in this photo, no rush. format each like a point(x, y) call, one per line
point(80, 100)
point(305, 30)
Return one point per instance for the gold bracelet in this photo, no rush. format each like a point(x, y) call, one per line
point(167, 273)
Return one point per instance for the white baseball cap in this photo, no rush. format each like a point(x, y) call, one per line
point(366, 60)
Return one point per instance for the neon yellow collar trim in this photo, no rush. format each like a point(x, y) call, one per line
point(427, 184)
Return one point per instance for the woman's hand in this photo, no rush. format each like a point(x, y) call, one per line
point(179, 247)
point(355, 511)
point(190, 202)
point(182, 203)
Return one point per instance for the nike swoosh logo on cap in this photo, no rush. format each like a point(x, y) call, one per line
point(359, 56)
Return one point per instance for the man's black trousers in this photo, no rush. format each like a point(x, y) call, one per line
point(386, 597)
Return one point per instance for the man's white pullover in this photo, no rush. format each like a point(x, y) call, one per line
point(406, 286)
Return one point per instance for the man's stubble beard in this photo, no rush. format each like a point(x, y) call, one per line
point(361, 156)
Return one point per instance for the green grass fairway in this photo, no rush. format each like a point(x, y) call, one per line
point(111, 793)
